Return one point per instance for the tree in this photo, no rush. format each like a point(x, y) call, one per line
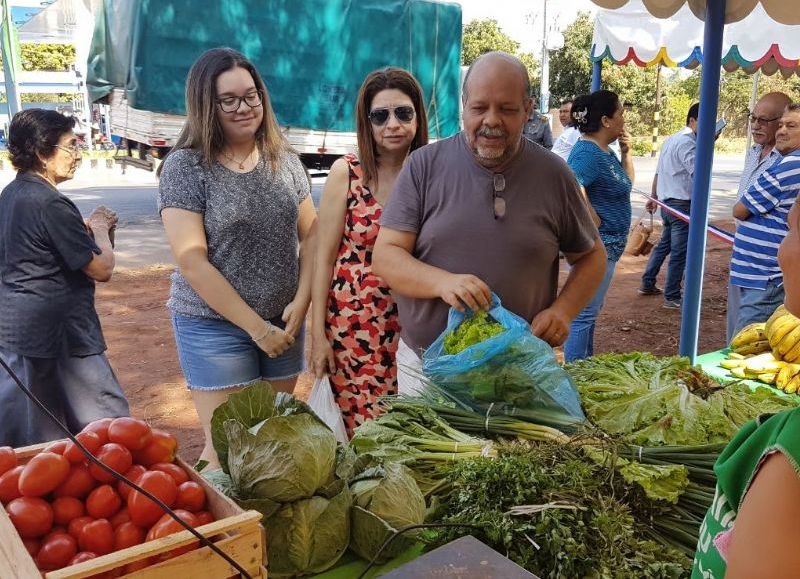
point(49, 57)
point(571, 67)
point(482, 36)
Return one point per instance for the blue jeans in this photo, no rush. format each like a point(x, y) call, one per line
point(748, 305)
point(674, 238)
point(76, 389)
point(580, 343)
point(216, 354)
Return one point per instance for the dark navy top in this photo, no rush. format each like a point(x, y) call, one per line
point(609, 190)
point(46, 300)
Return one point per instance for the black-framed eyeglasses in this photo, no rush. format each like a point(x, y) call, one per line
point(761, 120)
point(380, 116)
point(498, 203)
point(231, 104)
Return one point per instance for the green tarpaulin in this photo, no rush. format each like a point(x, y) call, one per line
point(313, 54)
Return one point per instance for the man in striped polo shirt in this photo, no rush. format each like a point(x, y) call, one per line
point(756, 280)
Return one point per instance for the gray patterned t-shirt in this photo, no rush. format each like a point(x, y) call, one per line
point(250, 221)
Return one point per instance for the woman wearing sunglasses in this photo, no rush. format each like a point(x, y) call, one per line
point(606, 183)
point(236, 207)
point(355, 328)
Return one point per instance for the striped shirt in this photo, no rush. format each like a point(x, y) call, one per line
point(609, 190)
point(754, 166)
point(755, 247)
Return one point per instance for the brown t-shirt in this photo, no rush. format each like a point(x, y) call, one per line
point(446, 198)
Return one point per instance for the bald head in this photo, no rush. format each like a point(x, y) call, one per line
point(501, 64)
point(765, 116)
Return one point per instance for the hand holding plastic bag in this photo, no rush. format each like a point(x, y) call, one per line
point(324, 405)
point(512, 373)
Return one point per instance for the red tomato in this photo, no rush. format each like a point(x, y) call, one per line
point(79, 483)
point(142, 510)
point(92, 442)
point(32, 546)
point(56, 552)
point(76, 525)
point(191, 497)
point(9, 484)
point(177, 473)
point(57, 447)
point(132, 433)
point(132, 474)
point(100, 428)
point(8, 459)
point(128, 535)
point(31, 516)
point(97, 537)
point(121, 517)
point(82, 557)
point(65, 509)
point(203, 518)
point(103, 502)
point(56, 530)
point(43, 473)
point(161, 448)
point(166, 525)
point(112, 455)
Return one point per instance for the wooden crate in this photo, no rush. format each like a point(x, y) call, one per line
point(238, 533)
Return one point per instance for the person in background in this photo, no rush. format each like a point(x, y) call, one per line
point(537, 128)
point(235, 203)
point(486, 211)
point(756, 282)
point(50, 259)
point(672, 184)
point(606, 182)
point(763, 126)
point(567, 139)
point(355, 323)
point(751, 528)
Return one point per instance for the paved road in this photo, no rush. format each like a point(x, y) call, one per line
point(141, 240)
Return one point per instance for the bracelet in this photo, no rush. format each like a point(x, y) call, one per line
point(268, 330)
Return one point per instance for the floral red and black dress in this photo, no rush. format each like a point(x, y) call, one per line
point(361, 324)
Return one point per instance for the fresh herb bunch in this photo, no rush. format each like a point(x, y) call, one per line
point(473, 330)
point(557, 514)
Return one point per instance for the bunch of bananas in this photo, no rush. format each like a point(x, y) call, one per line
point(782, 331)
point(751, 340)
point(764, 368)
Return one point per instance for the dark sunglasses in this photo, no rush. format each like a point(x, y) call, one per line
point(379, 117)
point(498, 203)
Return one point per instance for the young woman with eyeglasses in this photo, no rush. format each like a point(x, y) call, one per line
point(355, 332)
point(606, 182)
point(235, 203)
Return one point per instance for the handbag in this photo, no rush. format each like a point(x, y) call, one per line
point(639, 242)
point(324, 405)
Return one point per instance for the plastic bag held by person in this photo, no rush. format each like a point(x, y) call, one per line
point(323, 404)
point(513, 373)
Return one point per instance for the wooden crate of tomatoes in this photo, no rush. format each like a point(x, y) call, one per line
point(64, 517)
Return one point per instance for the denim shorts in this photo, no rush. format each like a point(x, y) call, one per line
point(216, 354)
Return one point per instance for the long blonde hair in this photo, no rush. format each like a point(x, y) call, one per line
point(202, 130)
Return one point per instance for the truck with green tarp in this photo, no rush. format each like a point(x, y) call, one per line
point(312, 54)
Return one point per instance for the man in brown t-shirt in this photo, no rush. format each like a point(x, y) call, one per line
point(486, 210)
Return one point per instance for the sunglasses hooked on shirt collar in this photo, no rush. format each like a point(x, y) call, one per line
point(380, 116)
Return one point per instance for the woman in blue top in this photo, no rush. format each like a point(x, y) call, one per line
point(607, 185)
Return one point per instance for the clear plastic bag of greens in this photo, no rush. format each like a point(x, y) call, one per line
point(510, 371)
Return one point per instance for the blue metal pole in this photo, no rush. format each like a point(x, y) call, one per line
point(597, 68)
point(696, 251)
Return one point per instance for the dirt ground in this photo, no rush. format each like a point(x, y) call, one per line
point(142, 350)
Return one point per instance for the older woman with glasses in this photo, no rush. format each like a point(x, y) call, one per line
point(355, 327)
point(50, 259)
point(235, 203)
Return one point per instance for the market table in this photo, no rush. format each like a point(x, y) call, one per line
point(710, 365)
